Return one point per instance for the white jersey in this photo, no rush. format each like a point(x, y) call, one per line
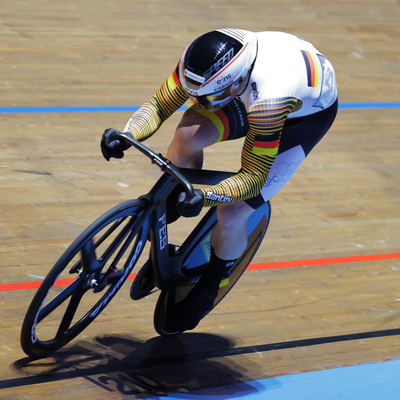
point(287, 66)
point(290, 79)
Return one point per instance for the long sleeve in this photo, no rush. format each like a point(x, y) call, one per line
point(266, 120)
point(150, 116)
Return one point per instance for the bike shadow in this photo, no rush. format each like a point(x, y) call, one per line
point(190, 362)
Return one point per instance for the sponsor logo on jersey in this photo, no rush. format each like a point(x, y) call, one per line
point(283, 174)
point(222, 198)
point(256, 93)
point(237, 106)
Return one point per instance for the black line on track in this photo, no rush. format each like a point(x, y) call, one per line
point(126, 364)
point(31, 172)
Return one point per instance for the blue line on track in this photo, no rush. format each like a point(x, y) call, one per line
point(369, 105)
point(41, 110)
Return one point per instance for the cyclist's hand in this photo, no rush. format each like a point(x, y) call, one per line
point(192, 207)
point(112, 145)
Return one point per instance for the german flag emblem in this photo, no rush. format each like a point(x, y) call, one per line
point(312, 68)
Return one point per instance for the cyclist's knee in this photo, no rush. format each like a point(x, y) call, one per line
point(184, 139)
point(195, 131)
point(233, 215)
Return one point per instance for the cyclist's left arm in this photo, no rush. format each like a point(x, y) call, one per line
point(150, 116)
point(266, 120)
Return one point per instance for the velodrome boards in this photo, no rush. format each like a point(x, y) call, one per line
point(323, 290)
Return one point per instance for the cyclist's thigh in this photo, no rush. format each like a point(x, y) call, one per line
point(299, 136)
point(230, 121)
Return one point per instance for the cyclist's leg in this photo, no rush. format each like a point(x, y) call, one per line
point(193, 134)
point(229, 237)
point(187, 314)
point(299, 137)
point(199, 129)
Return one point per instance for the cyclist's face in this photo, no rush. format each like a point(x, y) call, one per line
point(214, 101)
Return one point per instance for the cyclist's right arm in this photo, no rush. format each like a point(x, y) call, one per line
point(146, 121)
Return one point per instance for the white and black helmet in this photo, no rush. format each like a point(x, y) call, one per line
point(216, 66)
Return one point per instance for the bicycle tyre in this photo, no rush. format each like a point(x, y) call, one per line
point(166, 300)
point(122, 237)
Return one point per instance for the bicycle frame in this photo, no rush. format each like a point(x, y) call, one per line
point(168, 265)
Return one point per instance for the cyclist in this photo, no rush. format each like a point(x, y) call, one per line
point(273, 89)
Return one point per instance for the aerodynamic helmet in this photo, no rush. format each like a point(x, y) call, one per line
point(216, 66)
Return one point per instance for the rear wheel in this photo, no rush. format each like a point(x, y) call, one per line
point(171, 295)
point(165, 302)
point(85, 279)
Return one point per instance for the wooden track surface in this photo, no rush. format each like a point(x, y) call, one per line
point(343, 201)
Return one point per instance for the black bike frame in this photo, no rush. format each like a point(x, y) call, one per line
point(167, 266)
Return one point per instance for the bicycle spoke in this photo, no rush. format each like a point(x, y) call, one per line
point(89, 259)
point(123, 249)
point(58, 314)
point(59, 299)
point(116, 242)
point(130, 262)
point(70, 312)
point(110, 230)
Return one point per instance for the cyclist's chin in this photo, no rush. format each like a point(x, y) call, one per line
point(215, 108)
point(211, 106)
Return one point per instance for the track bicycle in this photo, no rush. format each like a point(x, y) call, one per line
point(95, 266)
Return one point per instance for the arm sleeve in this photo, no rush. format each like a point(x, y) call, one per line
point(266, 121)
point(150, 116)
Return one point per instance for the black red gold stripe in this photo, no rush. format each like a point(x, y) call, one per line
point(312, 68)
point(266, 121)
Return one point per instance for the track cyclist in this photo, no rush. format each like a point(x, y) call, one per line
point(273, 89)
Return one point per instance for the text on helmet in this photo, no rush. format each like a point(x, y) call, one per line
point(219, 64)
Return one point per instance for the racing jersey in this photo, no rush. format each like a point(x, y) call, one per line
point(290, 79)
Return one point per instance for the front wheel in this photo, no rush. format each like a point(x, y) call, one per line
point(85, 279)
